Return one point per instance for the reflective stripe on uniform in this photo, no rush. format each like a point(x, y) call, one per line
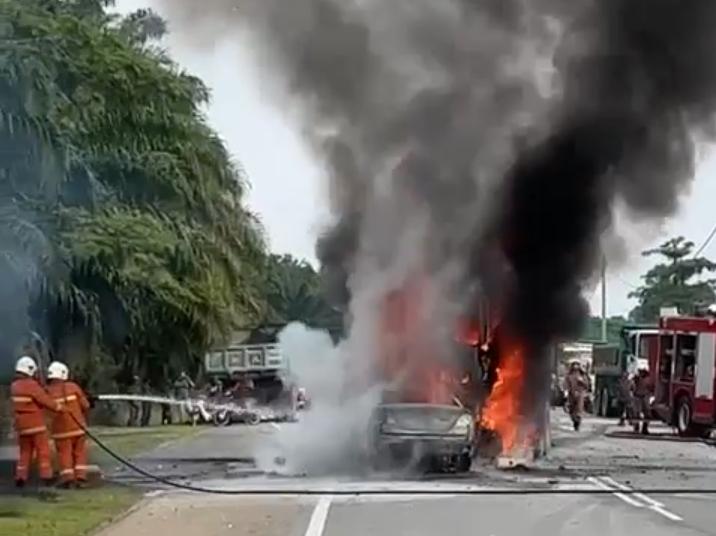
point(62, 399)
point(66, 435)
point(30, 431)
point(22, 399)
point(67, 472)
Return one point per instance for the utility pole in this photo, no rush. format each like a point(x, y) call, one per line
point(604, 298)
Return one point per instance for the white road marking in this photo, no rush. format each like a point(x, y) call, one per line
point(319, 516)
point(608, 483)
point(616, 493)
point(653, 504)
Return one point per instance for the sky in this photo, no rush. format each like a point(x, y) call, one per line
point(288, 188)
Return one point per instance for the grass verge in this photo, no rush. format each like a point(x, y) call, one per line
point(80, 512)
point(66, 513)
point(129, 442)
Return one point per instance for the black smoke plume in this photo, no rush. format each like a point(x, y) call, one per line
point(499, 132)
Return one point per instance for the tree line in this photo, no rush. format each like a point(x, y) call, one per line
point(681, 279)
point(125, 240)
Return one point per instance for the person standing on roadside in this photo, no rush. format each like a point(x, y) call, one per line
point(625, 398)
point(29, 400)
point(182, 391)
point(642, 407)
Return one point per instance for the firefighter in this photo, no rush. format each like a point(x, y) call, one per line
point(577, 386)
point(29, 399)
point(625, 398)
point(68, 429)
point(642, 393)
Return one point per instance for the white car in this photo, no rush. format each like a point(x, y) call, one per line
point(415, 434)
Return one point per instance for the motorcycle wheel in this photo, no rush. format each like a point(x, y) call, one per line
point(253, 419)
point(222, 418)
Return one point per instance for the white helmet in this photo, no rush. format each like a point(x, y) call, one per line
point(58, 371)
point(26, 365)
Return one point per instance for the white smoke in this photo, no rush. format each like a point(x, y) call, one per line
point(331, 437)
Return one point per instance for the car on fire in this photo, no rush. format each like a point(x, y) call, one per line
point(415, 434)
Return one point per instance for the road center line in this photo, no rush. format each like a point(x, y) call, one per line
point(652, 504)
point(609, 483)
point(319, 516)
point(626, 498)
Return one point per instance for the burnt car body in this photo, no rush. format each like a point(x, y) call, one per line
point(422, 435)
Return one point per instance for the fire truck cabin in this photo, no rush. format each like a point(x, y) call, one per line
point(683, 377)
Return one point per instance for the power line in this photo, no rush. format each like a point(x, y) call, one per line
point(625, 282)
point(706, 242)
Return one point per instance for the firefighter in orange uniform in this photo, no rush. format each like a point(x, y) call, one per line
point(29, 400)
point(68, 428)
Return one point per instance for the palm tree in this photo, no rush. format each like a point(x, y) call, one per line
point(123, 211)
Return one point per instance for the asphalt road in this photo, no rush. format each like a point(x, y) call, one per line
point(588, 460)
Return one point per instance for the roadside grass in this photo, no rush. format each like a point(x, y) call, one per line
point(80, 512)
point(128, 442)
point(65, 513)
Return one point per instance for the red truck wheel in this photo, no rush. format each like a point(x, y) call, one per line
point(683, 416)
point(684, 424)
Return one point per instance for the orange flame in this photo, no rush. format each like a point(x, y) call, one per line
point(501, 412)
point(407, 356)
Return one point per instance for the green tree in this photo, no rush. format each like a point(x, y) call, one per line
point(294, 294)
point(674, 283)
point(124, 233)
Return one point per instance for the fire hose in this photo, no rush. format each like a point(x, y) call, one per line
point(175, 402)
point(370, 491)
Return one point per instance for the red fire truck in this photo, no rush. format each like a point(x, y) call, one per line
point(682, 369)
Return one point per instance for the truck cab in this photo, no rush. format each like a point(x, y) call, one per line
point(637, 349)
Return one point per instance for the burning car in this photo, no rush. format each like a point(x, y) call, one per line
point(414, 434)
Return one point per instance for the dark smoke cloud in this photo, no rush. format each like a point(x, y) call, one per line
point(411, 104)
point(509, 126)
point(638, 87)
